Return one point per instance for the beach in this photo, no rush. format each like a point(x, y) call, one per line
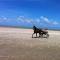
point(18, 44)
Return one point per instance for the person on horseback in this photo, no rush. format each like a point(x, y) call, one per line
point(40, 31)
point(36, 30)
point(34, 27)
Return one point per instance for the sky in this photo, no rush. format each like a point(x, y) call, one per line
point(41, 13)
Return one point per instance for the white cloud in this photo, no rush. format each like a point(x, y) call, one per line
point(24, 19)
point(3, 19)
point(28, 21)
point(38, 20)
point(41, 20)
point(55, 23)
point(45, 19)
point(21, 18)
point(49, 21)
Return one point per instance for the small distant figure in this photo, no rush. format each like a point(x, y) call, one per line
point(40, 31)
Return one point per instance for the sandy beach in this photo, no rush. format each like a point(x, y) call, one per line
point(18, 44)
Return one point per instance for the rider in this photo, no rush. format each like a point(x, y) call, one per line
point(35, 27)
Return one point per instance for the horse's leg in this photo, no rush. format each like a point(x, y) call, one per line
point(39, 34)
point(36, 34)
point(33, 34)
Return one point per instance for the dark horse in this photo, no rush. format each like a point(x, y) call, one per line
point(40, 31)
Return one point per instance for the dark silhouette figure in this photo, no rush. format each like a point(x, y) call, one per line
point(36, 30)
point(40, 31)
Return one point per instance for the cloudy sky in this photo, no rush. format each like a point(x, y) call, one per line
point(41, 13)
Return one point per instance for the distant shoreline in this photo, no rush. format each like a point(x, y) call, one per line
point(26, 27)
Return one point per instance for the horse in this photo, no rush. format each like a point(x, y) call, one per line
point(40, 31)
point(36, 30)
